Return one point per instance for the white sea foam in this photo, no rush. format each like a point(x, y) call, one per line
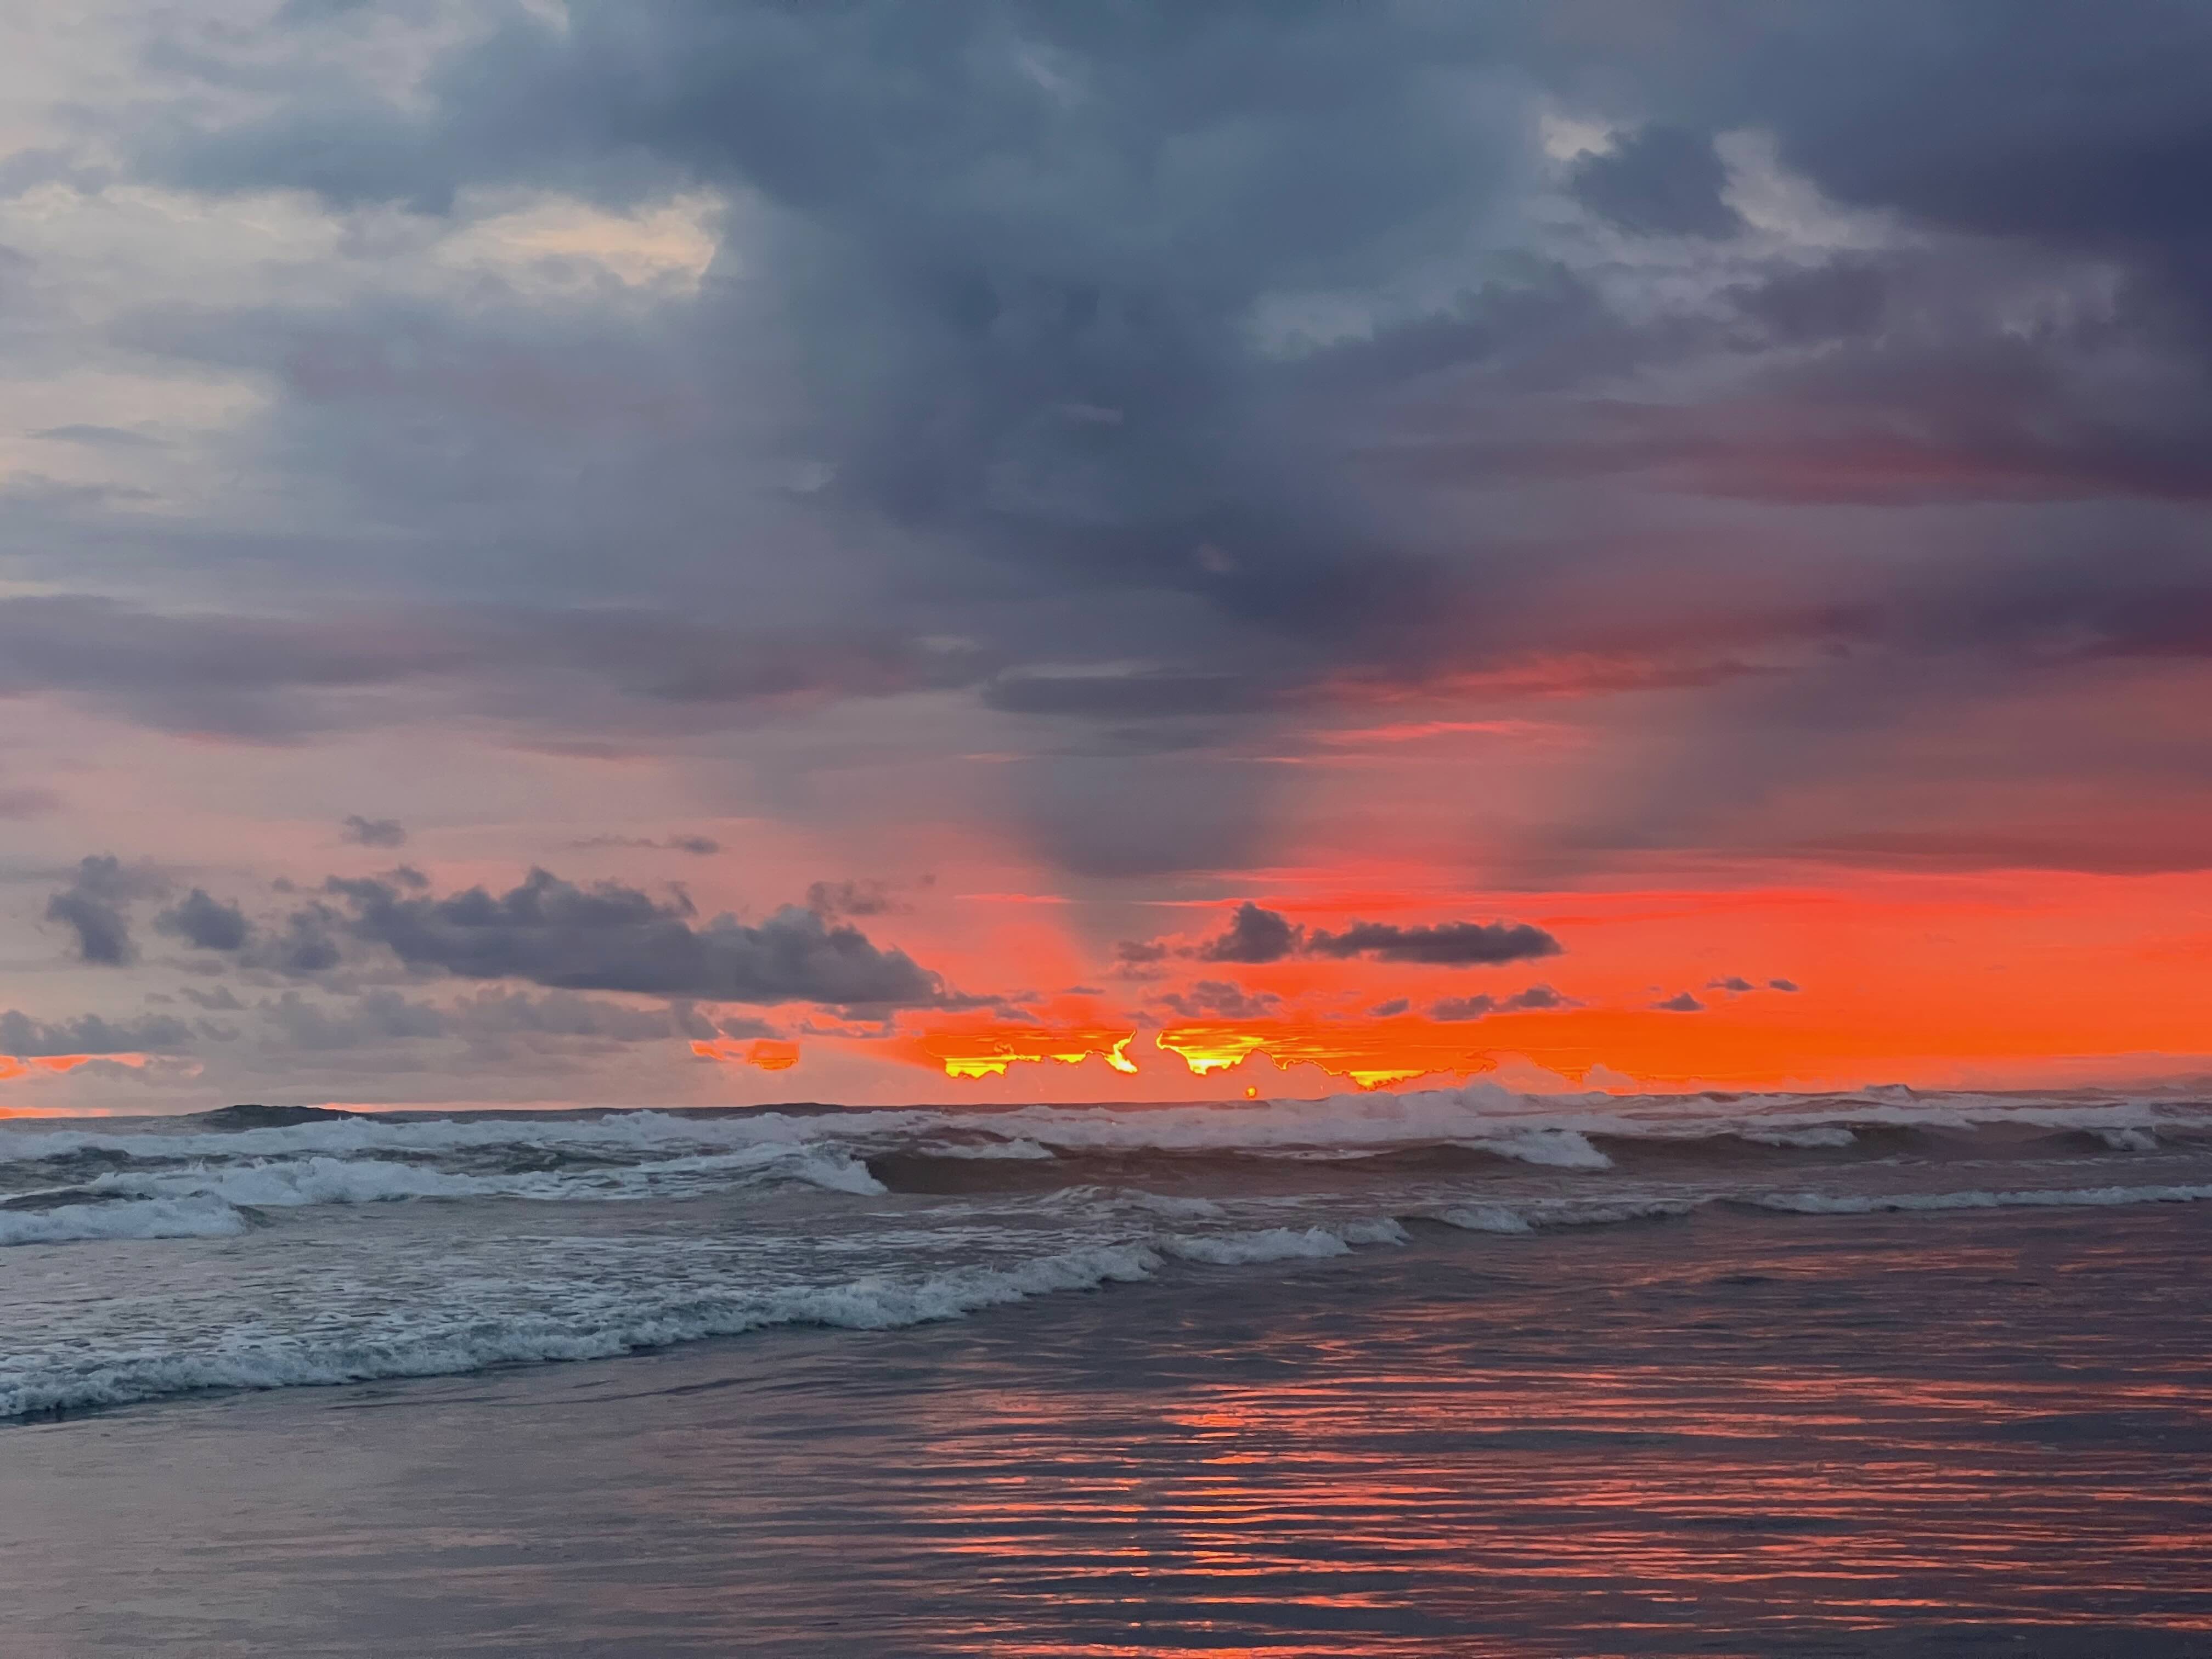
point(1530, 1217)
point(1027, 1151)
point(292, 1183)
point(1562, 1149)
point(200, 1217)
point(1552, 1130)
point(1282, 1243)
point(1826, 1136)
point(444, 1346)
point(2128, 1141)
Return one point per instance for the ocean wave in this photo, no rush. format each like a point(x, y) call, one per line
point(1532, 1218)
point(1827, 1135)
point(1551, 1130)
point(1283, 1243)
point(292, 1183)
point(153, 1218)
point(473, 1342)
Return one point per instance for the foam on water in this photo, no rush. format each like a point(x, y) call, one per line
point(466, 1343)
point(161, 1217)
point(165, 1258)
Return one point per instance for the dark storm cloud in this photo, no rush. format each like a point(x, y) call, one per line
point(1446, 944)
point(1253, 935)
point(608, 937)
point(25, 1038)
point(1014, 261)
point(1016, 248)
point(204, 923)
point(1661, 181)
point(2037, 120)
point(373, 832)
point(95, 907)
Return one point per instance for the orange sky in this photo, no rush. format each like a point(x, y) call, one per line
point(2005, 978)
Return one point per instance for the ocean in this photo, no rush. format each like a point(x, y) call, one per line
point(1456, 1372)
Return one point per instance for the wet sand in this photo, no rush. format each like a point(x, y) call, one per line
point(1730, 1434)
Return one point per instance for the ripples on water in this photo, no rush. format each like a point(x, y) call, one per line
point(1428, 1374)
point(1730, 1434)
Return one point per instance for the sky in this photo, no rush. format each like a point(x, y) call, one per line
point(693, 551)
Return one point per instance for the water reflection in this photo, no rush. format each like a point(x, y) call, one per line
point(1730, 1435)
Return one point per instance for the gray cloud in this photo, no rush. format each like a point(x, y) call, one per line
point(24, 1037)
point(1680, 1003)
point(1445, 944)
point(1253, 935)
point(1663, 181)
point(696, 846)
point(850, 898)
point(375, 832)
point(1216, 999)
point(204, 923)
point(95, 907)
point(1535, 997)
point(492, 1018)
point(608, 937)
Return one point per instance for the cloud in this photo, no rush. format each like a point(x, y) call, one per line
point(609, 937)
point(1215, 999)
point(95, 907)
point(1448, 944)
point(1391, 1009)
point(204, 923)
point(850, 898)
point(492, 1019)
point(1535, 997)
point(1253, 935)
point(1782, 985)
point(24, 1037)
point(1680, 1003)
point(1661, 181)
point(375, 832)
point(697, 846)
point(1733, 982)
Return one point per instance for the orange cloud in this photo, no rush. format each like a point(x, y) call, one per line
point(15, 1065)
point(766, 1053)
